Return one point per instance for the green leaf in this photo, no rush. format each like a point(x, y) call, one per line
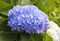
point(8, 36)
point(36, 37)
point(2, 19)
point(4, 7)
point(14, 2)
point(30, 37)
point(44, 5)
point(8, 1)
point(56, 15)
point(24, 36)
point(57, 2)
point(47, 37)
point(4, 27)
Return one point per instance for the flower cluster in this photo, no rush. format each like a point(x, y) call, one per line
point(27, 18)
point(54, 31)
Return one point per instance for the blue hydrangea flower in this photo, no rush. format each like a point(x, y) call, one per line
point(27, 18)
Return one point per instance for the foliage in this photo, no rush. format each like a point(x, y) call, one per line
point(50, 7)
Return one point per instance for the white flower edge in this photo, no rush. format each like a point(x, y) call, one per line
point(54, 31)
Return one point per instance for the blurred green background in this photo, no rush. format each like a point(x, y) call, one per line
point(50, 7)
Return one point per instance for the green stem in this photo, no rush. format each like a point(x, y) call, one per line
point(19, 2)
point(18, 37)
point(25, 2)
point(11, 1)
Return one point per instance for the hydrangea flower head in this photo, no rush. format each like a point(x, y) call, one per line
point(27, 18)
